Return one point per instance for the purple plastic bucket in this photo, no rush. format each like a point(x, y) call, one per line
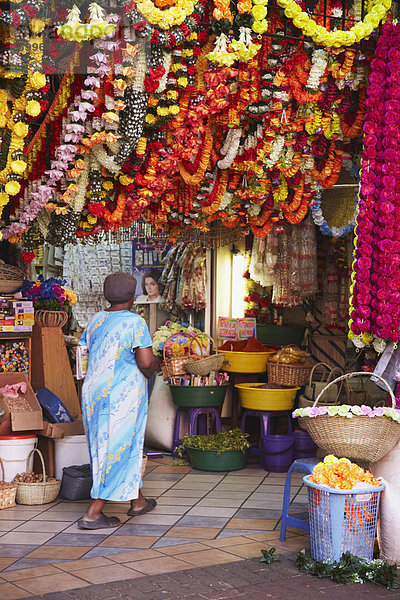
point(277, 452)
point(304, 446)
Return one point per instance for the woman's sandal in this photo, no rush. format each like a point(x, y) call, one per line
point(150, 505)
point(102, 522)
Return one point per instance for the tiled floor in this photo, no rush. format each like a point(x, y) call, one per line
point(201, 519)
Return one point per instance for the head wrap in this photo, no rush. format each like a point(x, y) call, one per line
point(119, 287)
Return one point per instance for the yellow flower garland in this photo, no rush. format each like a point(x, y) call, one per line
point(376, 13)
point(165, 19)
point(19, 129)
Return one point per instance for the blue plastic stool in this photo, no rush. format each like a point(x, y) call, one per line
point(196, 425)
point(300, 521)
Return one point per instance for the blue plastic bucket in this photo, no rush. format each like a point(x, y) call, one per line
point(304, 445)
point(342, 520)
point(277, 452)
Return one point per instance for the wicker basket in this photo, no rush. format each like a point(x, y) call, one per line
point(51, 318)
point(358, 438)
point(314, 388)
point(288, 375)
point(204, 365)
point(11, 279)
point(42, 492)
point(7, 491)
point(174, 366)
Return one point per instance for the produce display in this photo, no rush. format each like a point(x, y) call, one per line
point(341, 474)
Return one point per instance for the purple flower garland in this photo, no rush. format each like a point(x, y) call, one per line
point(375, 302)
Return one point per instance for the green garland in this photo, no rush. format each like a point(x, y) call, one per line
point(351, 569)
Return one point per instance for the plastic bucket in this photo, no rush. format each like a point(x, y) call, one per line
point(70, 450)
point(207, 460)
point(304, 445)
point(245, 362)
point(277, 452)
point(198, 396)
point(14, 450)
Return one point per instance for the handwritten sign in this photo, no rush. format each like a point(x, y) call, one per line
point(227, 328)
point(246, 328)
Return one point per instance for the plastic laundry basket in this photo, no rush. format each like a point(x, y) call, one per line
point(342, 520)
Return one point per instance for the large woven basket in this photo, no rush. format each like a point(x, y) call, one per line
point(11, 279)
point(7, 491)
point(287, 374)
point(42, 492)
point(204, 365)
point(358, 438)
point(174, 366)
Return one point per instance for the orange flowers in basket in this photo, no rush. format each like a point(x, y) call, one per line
point(341, 474)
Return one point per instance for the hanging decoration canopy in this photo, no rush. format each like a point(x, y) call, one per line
point(179, 114)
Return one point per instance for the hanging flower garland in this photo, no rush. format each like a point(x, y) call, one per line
point(375, 301)
point(377, 11)
point(97, 27)
point(25, 107)
point(170, 37)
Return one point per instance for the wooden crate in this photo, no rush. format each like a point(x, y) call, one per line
point(330, 349)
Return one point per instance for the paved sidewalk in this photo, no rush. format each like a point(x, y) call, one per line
point(243, 580)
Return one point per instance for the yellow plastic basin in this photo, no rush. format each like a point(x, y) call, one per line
point(245, 362)
point(257, 398)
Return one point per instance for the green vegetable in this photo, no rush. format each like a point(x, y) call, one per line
point(351, 569)
point(269, 556)
point(234, 439)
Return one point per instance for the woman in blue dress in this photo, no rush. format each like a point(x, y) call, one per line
point(114, 402)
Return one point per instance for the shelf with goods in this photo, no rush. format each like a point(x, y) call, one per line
point(11, 351)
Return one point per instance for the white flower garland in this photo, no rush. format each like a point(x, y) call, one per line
point(319, 62)
point(230, 148)
point(277, 147)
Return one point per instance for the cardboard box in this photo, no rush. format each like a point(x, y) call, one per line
point(21, 420)
point(59, 430)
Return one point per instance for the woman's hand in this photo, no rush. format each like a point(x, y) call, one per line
point(146, 361)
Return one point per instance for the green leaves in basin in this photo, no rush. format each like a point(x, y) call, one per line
point(234, 439)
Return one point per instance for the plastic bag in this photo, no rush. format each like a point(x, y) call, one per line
point(389, 523)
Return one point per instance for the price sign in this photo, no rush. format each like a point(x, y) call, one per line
point(246, 328)
point(227, 328)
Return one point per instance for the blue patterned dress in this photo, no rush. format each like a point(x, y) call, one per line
point(114, 403)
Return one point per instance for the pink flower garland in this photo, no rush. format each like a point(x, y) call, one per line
point(375, 305)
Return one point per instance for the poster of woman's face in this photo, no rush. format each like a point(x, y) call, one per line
point(147, 267)
point(151, 286)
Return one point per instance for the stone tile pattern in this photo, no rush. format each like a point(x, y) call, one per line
point(202, 519)
point(242, 580)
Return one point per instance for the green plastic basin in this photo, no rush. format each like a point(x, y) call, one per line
point(207, 460)
point(191, 396)
point(283, 335)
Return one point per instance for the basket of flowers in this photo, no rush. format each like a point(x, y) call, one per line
point(172, 342)
point(357, 432)
point(51, 300)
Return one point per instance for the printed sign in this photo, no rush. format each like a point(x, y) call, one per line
point(246, 328)
point(227, 328)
